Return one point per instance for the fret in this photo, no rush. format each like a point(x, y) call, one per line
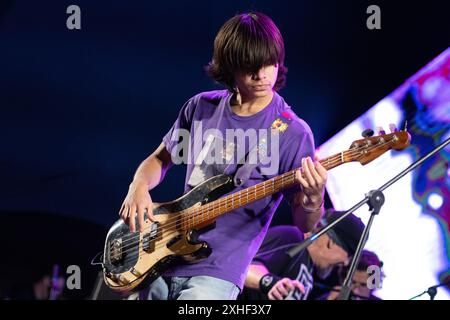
point(202, 214)
point(232, 201)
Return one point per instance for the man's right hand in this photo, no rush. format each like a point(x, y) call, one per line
point(137, 201)
point(283, 287)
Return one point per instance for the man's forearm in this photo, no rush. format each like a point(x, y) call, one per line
point(306, 217)
point(254, 274)
point(152, 170)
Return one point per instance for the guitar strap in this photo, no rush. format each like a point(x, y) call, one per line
point(245, 168)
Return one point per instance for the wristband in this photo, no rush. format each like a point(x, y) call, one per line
point(267, 282)
point(313, 209)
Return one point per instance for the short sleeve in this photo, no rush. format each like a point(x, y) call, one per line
point(300, 146)
point(179, 133)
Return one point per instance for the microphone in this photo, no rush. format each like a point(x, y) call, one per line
point(432, 291)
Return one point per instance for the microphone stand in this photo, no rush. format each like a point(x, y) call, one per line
point(432, 291)
point(375, 200)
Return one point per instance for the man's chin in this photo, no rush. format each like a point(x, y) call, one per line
point(262, 93)
point(323, 273)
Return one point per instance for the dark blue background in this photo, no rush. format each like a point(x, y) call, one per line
point(81, 109)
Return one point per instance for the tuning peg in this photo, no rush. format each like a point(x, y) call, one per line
point(381, 131)
point(393, 128)
point(367, 133)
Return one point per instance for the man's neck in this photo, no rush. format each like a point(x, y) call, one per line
point(312, 250)
point(246, 106)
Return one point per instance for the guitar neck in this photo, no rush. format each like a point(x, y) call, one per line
point(216, 208)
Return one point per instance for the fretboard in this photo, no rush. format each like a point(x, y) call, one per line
point(214, 209)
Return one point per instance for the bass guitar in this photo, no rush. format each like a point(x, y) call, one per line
point(129, 258)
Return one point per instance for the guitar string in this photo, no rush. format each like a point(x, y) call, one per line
point(167, 232)
point(141, 252)
point(200, 211)
point(285, 178)
point(175, 217)
point(170, 231)
point(337, 159)
point(168, 227)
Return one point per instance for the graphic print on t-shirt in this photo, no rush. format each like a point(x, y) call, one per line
point(222, 154)
point(306, 279)
point(214, 158)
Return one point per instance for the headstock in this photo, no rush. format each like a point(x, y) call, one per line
point(371, 147)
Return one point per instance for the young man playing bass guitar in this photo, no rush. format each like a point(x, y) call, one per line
point(248, 60)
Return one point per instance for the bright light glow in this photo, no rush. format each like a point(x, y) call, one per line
point(435, 201)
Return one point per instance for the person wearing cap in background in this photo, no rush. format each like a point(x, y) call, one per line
point(274, 275)
point(360, 288)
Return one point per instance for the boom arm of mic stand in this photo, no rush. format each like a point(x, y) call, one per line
point(301, 246)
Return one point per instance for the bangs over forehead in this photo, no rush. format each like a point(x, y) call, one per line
point(249, 42)
point(246, 43)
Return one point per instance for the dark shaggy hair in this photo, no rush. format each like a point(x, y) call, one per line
point(246, 43)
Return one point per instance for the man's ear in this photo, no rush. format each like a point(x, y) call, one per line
point(330, 243)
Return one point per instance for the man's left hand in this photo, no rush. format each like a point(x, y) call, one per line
point(312, 177)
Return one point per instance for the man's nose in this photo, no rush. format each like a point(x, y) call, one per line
point(261, 74)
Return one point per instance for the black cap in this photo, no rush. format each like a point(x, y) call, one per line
point(345, 233)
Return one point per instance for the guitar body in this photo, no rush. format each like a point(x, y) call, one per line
point(130, 258)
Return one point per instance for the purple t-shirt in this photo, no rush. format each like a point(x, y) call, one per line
point(239, 233)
